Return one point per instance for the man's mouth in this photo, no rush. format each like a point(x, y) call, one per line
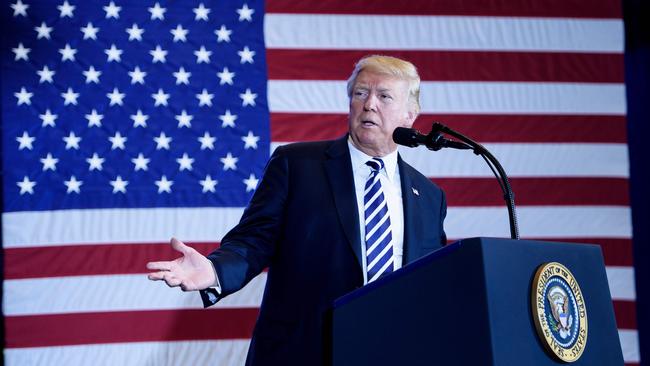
point(368, 123)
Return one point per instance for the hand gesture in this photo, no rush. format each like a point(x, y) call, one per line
point(193, 271)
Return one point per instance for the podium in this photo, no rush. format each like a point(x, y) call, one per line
point(469, 303)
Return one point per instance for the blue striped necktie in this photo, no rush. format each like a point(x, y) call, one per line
point(379, 246)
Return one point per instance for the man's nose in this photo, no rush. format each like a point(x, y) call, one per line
point(370, 104)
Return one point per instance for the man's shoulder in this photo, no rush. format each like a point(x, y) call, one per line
point(311, 148)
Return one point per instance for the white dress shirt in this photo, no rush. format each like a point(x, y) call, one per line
point(392, 187)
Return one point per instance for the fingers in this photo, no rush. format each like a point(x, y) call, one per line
point(160, 266)
point(170, 279)
point(179, 246)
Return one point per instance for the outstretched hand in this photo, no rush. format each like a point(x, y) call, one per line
point(191, 272)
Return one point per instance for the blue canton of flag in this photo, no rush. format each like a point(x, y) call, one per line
point(127, 104)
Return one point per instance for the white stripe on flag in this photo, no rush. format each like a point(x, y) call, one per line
point(541, 222)
point(630, 345)
point(385, 32)
point(25, 229)
point(98, 294)
point(114, 226)
point(298, 96)
point(521, 160)
point(525, 160)
point(621, 282)
point(181, 353)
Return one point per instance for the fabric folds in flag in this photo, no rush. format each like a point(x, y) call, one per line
point(127, 122)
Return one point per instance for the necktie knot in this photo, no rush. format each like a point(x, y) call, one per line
point(376, 164)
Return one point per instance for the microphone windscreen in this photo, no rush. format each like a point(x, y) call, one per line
point(406, 136)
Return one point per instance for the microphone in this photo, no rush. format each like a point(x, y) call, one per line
point(433, 141)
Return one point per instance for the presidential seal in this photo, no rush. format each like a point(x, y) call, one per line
point(559, 312)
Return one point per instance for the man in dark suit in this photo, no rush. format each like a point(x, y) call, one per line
point(327, 218)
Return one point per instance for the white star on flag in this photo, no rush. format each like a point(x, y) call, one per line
point(223, 34)
point(73, 185)
point(25, 141)
point(20, 8)
point(245, 13)
point(251, 183)
point(162, 141)
point(137, 76)
point(160, 98)
point(94, 119)
point(95, 162)
point(67, 53)
point(202, 55)
point(185, 162)
point(70, 97)
point(164, 185)
point(24, 97)
point(140, 162)
point(179, 33)
point(157, 12)
point(43, 31)
point(201, 13)
point(158, 55)
point(228, 119)
point(184, 119)
point(72, 141)
point(139, 119)
point(225, 76)
point(46, 75)
point(116, 98)
point(89, 31)
point(48, 118)
point(49, 162)
point(26, 186)
point(248, 98)
point(208, 184)
point(92, 75)
point(119, 185)
point(135, 33)
point(113, 54)
point(182, 76)
point(207, 141)
point(250, 140)
point(246, 55)
point(229, 162)
point(112, 11)
point(117, 141)
point(21, 52)
point(66, 9)
point(205, 98)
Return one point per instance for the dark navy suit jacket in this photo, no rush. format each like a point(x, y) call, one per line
point(302, 223)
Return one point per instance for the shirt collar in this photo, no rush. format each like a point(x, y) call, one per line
point(359, 159)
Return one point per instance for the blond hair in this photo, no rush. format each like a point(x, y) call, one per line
point(391, 66)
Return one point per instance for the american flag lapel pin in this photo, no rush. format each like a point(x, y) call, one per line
point(415, 191)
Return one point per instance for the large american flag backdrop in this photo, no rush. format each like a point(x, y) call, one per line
point(127, 122)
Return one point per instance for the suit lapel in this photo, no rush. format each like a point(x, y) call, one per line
point(339, 173)
point(411, 204)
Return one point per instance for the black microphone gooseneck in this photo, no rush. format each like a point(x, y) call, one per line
point(435, 141)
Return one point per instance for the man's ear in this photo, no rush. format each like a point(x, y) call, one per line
point(411, 116)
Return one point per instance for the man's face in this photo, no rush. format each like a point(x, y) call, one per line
point(379, 103)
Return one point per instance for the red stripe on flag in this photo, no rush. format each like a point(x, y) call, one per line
point(288, 127)
point(616, 252)
point(128, 326)
point(531, 8)
point(297, 64)
point(625, 312)
point(536, 191)
point(82, 260)
point(88, 260)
